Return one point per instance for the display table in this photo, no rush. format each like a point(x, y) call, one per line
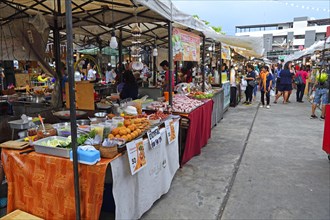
point(43, 185)
point(199, 131)
point(217, 113)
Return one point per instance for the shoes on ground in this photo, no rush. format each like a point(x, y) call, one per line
point(275, 102)
point(313, 116)
point(268, 107)
point(322, 118)
point(261, 106)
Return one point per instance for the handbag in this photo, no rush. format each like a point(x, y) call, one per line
point(298, 80)
point(252, 83)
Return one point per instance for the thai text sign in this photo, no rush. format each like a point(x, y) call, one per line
point(186, 46)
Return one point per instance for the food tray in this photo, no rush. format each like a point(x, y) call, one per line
point(19, 124)
point(54, 151)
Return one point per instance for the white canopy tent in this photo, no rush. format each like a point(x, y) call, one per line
point(317, 46)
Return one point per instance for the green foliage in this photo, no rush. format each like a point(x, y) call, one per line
point(215, 28)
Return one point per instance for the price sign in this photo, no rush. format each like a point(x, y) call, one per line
point(154, 137)
point(170, 131)
point(136, 155)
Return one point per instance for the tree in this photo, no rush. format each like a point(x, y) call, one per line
point(217, 29)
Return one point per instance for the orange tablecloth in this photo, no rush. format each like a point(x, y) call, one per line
point(43, 185)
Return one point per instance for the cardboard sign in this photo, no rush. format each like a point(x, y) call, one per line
point(170, 132)
point(136, 156)
point(154, 137)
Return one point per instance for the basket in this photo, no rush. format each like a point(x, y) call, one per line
point(107, 152)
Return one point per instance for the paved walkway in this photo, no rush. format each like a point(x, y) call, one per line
point(276, 171)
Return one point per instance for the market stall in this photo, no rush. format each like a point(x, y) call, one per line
point(30, 175)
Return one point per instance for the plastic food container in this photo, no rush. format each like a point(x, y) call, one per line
point(87, 157)
point(117, 121)
point(99, 129)
point(63, 129)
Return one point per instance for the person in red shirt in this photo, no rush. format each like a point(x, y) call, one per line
point(301, 87)
point(164, 64)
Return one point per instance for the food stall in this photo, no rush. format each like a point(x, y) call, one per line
point(30, 174)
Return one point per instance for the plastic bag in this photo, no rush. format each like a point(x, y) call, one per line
point(272, 93)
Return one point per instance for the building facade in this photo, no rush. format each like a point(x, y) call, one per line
point(282, 39)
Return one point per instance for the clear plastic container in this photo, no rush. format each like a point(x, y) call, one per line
point(117, 122)
point(99, 129)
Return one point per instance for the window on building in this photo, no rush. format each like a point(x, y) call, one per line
point(299, 36)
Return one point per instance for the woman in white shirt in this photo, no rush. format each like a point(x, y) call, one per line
point(91, 74)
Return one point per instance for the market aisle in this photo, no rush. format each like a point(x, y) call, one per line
point(284, 174)
point(199, 188)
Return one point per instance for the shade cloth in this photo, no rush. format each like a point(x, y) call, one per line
point(199, 131)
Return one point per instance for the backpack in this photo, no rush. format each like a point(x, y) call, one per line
point(298, 80)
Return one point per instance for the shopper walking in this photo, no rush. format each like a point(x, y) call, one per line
point(301, 77)
point(255, 89)
point(250, 78)
point(321, 95)
point(265, 85)
point(278, 77)
point(285, 85)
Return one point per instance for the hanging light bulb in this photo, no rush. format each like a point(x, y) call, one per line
point(113, 41)
point(155, 52)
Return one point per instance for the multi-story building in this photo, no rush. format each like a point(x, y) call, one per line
point(285, 38)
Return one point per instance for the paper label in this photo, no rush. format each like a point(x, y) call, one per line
point(154, 137)
point(136, 156)
point(170, 132)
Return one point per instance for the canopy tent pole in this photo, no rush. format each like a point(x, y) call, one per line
point(170, 62)
point(220, 64)
point(120, 54)
point(154, 76)
point(70, 64)
point(203, 64)
point(57, 49)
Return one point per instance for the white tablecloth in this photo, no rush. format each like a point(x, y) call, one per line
point(134, 195)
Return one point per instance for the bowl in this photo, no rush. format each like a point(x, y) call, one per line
point(153, 121)
point(101, 114)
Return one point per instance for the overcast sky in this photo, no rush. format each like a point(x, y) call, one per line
point(229, 14)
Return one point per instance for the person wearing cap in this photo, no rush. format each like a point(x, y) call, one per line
point(165, 65)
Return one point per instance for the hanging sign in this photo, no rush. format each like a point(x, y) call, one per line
point(170, 132)
point(136, 156)
point(186, 46)
point(225, 52)
point(154, 137)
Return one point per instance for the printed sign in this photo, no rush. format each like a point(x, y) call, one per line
point(186, 46)
point(170, 132)
point(225, 52)
point(136, 156)
point(154, 137)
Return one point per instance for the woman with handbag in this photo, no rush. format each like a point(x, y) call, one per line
point(285, 84)
point(250, 78)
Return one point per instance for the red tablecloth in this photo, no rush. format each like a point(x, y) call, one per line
point(199, 131)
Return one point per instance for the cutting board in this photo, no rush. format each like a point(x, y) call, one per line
point(17, 145)
point(18, 214)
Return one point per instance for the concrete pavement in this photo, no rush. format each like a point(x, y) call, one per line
point(276, 171)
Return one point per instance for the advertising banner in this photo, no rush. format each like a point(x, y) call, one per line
point(186, 46)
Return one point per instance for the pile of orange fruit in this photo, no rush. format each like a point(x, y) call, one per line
point(131, 129)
